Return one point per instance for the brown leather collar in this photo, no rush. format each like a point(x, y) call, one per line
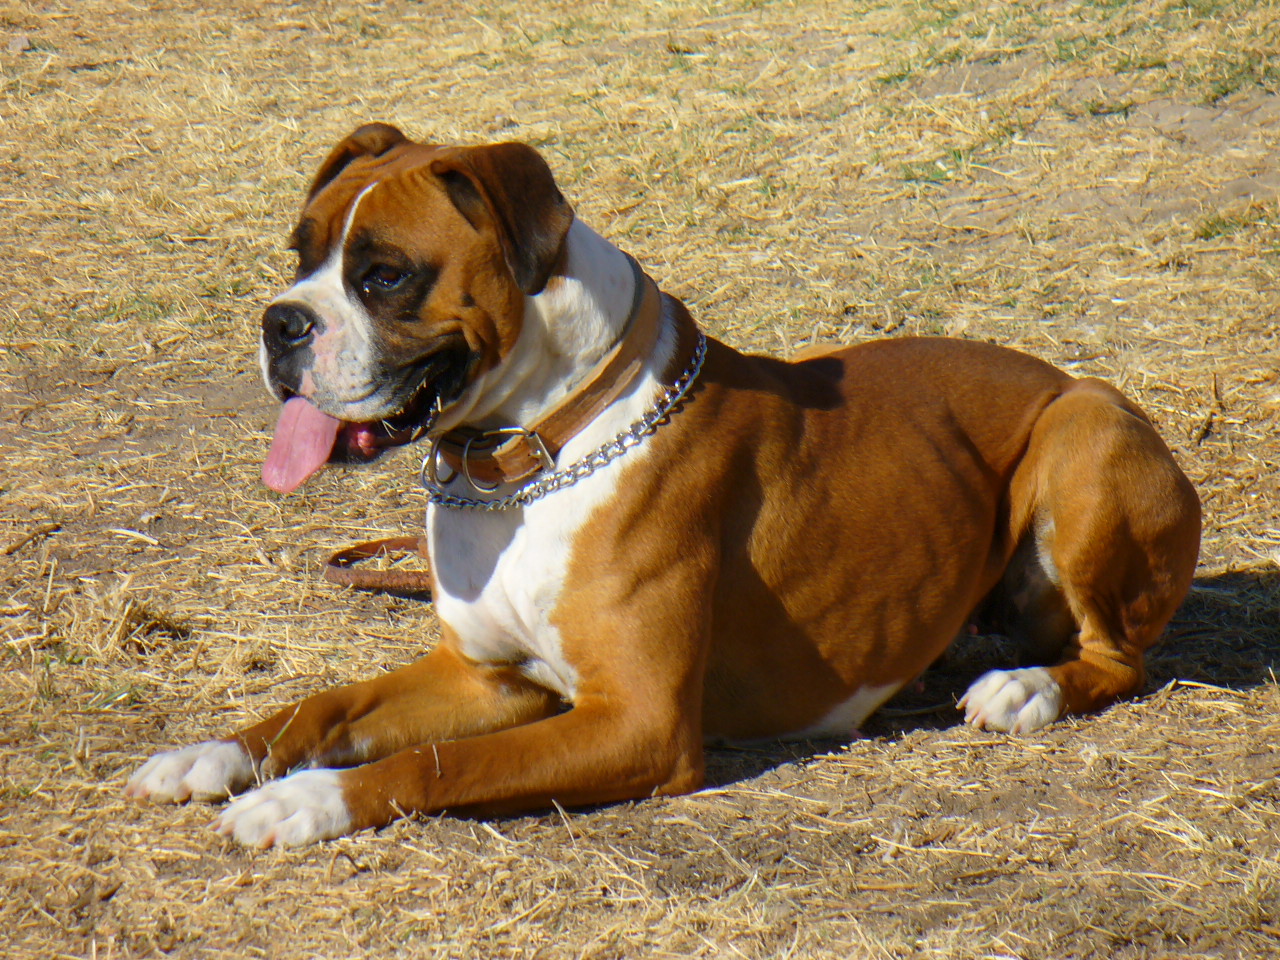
point(490, 458)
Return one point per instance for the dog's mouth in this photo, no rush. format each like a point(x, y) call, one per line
point(306, 438)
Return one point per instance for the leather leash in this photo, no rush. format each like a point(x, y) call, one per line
point(340, 567)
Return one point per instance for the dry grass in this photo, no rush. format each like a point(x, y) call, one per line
point(1093, 182)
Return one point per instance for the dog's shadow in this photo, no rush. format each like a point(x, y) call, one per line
point(1227, 633)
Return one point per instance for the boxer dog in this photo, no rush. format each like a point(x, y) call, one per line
point(642, 539)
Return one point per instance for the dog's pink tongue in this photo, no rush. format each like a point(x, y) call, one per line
point(302, 443)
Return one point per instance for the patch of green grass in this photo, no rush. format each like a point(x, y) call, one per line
point(1072, 49)
point(142, 307)
point(1227, 223)
point(944, 14)
point(766, 186)
point(46, 689)
point(228, 288)
point(908, 69)
point(929, 171)
point(929, 321)
point(1135, 62)
point(1104, 108)
point(1200, 9)
point(930, 273)
point(125, 696)
point(1227, 74)
point(363, 26)
point(899, 75)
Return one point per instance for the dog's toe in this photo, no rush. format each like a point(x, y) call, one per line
point(204, 771)
point(1013, 701)
point(302, 808)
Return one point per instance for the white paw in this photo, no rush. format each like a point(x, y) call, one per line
point(1013, 701)
point(206, 771)
point(302, 808)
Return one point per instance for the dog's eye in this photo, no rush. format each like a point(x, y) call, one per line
point(382, 279)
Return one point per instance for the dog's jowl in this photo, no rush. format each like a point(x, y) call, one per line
point(641, 538)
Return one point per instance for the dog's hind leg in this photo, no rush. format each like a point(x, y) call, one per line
point(1111, 529)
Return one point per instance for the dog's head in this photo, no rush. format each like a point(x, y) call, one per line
point(414, 262)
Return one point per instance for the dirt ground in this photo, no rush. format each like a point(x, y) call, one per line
point(1093, 182)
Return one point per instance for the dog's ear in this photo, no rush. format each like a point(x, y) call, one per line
point(373, 138)
point(509, 187)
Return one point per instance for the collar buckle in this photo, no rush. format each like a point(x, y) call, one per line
point(484, 443)
point(495, 438)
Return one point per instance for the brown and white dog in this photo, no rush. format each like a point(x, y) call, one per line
point(693, 543)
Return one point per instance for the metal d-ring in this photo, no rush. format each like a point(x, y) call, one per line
point(466, 469)
point(429, 472)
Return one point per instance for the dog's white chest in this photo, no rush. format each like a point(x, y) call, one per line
point(501, 575)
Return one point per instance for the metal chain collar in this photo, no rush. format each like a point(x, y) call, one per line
point(578, 470)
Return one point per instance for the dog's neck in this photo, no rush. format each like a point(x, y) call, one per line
point(567, 329)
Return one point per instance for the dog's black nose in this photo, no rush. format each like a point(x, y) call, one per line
point(287, 324)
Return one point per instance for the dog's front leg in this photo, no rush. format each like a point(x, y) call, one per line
point(599, 751)
point(441, 696)
point(635, 729)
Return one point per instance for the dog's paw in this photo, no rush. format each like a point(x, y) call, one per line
point(302, 808)
point(205, 771)
point(1013, 701)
